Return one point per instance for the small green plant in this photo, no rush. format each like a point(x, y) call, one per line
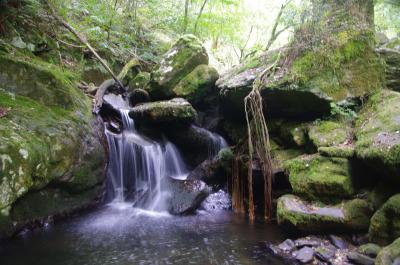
point(342, 111)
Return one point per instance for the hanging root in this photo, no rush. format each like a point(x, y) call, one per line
point(258, 144)
point(237, 188)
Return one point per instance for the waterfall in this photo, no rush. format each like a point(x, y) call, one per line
point(138, 165)
point(215, 143)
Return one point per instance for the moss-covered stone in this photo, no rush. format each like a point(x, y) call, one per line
point(369, 249)
point(140, 81)
point(320, 178)
point(280, 156)
point(378, 134)
point(329, 133)
point(390, 53)
point(385, 223)
point(293, 133)
point(349, 215)
point(175, 110)
point(47, 136)
point(346, 151)
point(389, 254)
point(185, 55)
point(196, 85)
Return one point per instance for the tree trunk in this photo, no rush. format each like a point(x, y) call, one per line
point(186, 17)
point(199, 16)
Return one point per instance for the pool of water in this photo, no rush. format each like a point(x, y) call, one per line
point(120, 234)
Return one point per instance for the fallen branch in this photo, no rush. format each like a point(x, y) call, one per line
point(84, 41)
point(98, 98)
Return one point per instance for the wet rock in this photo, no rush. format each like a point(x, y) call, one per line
point(186, 195)
point(218, 201)
point(308, 242)
point(287, 246)
point(338, 242)
point(396, 262)
point(389, 254)
point(138, 96)
point(344, 151)
point(390, 53)
point(370, 250)
point(305, 255)
point(185, 55)
point(315, 177)
point(349, 215)
point(378, 135)
point(210, 171)
point(360, 259)
point(325, 253)
point(175, 110)
point(385, 223)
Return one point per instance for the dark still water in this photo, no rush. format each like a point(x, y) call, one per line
point(120, 234)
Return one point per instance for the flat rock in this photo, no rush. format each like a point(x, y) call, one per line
point(176, 110)
point(338, 242)
point(287, 246)
point(348, 215)
point(325, 253)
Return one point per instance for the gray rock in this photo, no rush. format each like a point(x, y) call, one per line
point(396, 261)
point(305, 255)
point(308, 242)
point(338, 242)
point(360, 259)
point(287, 246)
point(186, 195)
point(325, 253)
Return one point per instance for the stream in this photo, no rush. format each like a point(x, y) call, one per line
point(134, 226)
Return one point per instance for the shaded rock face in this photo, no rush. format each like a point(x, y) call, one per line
point(390, 53)
point(378, 134)
point(389, 255)
point(349, 215)
point(385, 223)
point(176, 110)
point(48, 136)
point(186, 195)
point(185, 55)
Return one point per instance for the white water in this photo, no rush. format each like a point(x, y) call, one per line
point(138, 166)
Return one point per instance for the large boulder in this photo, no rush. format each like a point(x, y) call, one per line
point(390, 255)
point(185, 55)
point(47, 135)
point(186, 195)
point(385, 223)
point(378, 134)
point(315, 217)
point(329, 133)
point(320, 178)
point(175, 110)
point(331, 59)
point(198, 84)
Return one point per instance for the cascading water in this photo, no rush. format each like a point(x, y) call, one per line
point(216, 141)
point(139, 165)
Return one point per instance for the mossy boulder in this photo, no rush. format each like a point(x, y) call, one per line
point(329, 133)
point(344, 151)
point(198, 84)
point(350, 215)
point(385, 223)
point(320, 178)
point(175, 110)
point(378, 134)
point(48, 134)
point(389, 255)
point(292, 133)
point(185, 55)
point(140, 81)
point(331, 59)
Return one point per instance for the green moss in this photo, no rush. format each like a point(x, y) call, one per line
point(349, 215)
point(377, 133)
point(140, 81)
point(182, 59)
point(369, 249)
point(385, 223)
point(389, 254)
point(293, 133)
point(329, 133)
point(196, 85)
point(320, 178)
point(337, 151)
